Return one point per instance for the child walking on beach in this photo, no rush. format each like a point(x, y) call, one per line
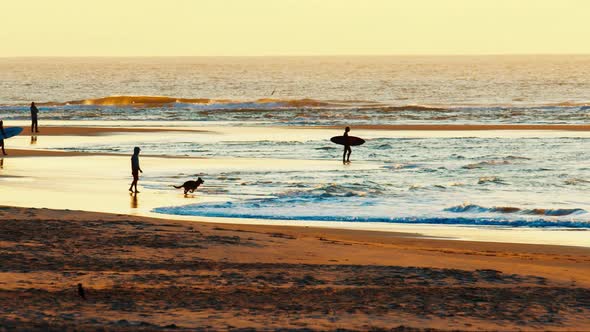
point(2, 138)
point(135, 169)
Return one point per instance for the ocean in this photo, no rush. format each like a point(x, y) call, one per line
point(492, 178)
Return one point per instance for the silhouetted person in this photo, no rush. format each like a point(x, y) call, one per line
point(34, 124)
point(346, 158)
point(81, 291)
point(3, 135)
point(135, 169)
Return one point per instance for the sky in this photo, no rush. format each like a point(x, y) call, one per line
point(292, 27)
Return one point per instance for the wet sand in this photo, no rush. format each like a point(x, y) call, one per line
point(104, 129)
point(465, 127)
point(99, 183)
point(59, 153)
point(48, 153)
point(149, 274)
point(92, 131)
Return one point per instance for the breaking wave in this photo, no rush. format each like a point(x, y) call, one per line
point(472, 208)
point(257, 210)
point(490, 179)
point(160, 101)
point(365, 202)
point(298, 111)
point(486, 163)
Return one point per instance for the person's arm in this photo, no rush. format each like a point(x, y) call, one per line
point(139, 167)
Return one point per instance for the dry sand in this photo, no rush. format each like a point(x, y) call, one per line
point(145, 274)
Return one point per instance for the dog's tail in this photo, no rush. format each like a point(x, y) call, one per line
point(177, 187)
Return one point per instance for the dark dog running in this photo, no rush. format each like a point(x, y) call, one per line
point(190, 186)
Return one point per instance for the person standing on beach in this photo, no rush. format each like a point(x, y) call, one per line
point(34, 124)
point(345, 158)
point(3, 135)
point(135, 169)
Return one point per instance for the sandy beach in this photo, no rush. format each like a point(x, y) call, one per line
point(150, 274)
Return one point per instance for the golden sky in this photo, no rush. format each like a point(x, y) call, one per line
point(292, 27)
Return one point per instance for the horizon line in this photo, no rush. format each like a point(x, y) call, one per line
point(299, 55)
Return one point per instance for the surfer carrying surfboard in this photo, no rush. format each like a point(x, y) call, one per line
point(345, 158)
point(3, 135)
point(347, 141)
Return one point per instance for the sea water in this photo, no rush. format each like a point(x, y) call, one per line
point(533, 179)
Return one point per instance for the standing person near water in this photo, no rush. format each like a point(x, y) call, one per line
point(135, 169)
point(34, 112)
point(347, 141)
point(345, 158)
point(3, 135)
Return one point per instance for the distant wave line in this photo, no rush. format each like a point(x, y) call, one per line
point(163, 101)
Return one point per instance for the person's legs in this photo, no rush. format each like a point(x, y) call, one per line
point(2, 145)
point(349, 152)
point(344, 155)
point(36, 125)
point(134, 182)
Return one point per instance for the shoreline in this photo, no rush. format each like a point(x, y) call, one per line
point(461, 127)
point(59, 165)
point(379, 238)
point(103, 128)
point(23, 179)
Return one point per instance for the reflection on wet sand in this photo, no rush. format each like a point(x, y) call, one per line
point(134, 203)
point(33, 139)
